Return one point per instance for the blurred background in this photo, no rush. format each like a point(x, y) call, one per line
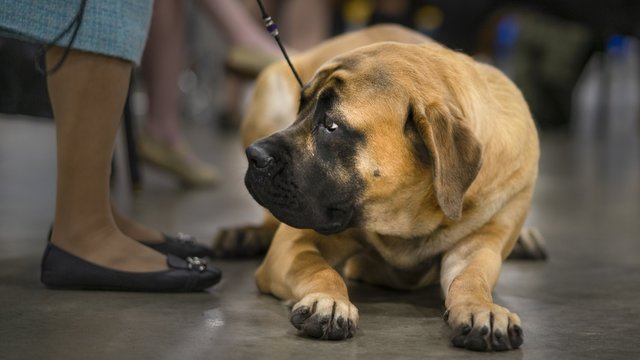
point(179, 166)
point(550, 48)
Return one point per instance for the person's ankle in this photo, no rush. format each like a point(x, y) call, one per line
point(69, 236)
point(134, 229)
point(110, 248)
point(139, 232)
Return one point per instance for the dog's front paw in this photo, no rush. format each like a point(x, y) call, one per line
point(484, 327)
point(324, 317)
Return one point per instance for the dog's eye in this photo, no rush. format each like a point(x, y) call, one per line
point(330, 125)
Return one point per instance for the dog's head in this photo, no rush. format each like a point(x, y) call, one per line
point(379, 142)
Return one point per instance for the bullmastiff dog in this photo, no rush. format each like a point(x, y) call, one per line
point(400, 163)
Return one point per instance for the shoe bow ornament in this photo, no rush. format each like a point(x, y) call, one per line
point(196, 263)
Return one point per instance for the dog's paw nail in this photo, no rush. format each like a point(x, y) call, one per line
point(499, 341)
point(298, 316)
point(518, 330)
point(340, 322)
point(460, 335)
point(303, 310)
point(484, 331)
point(516, 336)
point(476, 343)
point(312, 329)
point(351, 327)
point(458, 341)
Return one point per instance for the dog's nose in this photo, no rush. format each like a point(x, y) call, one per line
point(258, 156)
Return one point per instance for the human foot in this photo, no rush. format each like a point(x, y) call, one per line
point(109, 248)
point(135, 230)
point(181, 245)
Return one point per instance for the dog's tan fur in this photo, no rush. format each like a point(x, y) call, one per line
point(451, 220)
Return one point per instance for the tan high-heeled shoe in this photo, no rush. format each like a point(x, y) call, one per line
point(179, 160)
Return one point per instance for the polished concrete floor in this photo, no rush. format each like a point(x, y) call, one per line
point(583, 303)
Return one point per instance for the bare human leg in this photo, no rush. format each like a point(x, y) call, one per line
point(239, 26)
point(306, 22)
point(161, 66)
point(87, 96)
point(134, 229)
point(163, 142)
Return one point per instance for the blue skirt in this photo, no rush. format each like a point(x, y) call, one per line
point(115, 28)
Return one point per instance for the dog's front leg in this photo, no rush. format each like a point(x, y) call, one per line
point(469, 273)
point(476, 322)
point(298, 268)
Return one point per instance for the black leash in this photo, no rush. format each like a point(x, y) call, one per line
point(75, 25)
point(272, 28)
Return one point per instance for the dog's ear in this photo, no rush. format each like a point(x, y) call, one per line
point(454, 152)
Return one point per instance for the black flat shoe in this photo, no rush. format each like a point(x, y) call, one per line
point(62, 270)
point(182, 245)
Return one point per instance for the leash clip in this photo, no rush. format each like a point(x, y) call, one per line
point(272, 28)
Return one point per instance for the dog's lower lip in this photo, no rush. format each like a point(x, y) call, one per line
point(339, 225)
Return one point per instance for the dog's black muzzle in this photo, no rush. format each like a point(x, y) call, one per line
point(292, 190)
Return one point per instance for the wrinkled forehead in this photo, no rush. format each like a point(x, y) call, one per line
point(333, 74)
point(359, 90)
point(352, 73)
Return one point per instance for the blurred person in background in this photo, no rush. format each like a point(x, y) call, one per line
point(162, 141)
point(251, 48)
